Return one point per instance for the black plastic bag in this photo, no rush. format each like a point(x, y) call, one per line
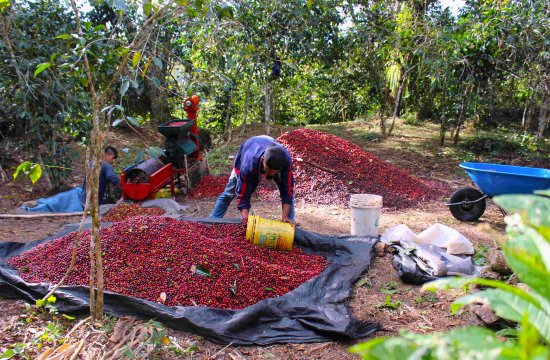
point(316, 311)
point(407, 269)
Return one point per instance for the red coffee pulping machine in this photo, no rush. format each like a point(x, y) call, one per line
point(182, 159)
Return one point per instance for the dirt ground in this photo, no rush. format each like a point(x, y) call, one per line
point(420, 313)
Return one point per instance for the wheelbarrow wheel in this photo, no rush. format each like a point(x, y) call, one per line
point(467, 212)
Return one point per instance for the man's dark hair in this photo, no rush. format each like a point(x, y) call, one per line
point(111, 151)
point(275, 157)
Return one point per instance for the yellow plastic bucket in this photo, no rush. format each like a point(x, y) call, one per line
point(272, 234)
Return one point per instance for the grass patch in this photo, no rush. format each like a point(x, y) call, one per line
point(480, 255)
point(219, 159)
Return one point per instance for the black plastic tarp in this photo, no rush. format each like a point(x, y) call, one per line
point(316, 311)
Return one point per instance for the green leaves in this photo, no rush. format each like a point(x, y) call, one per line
point(464, 343)
point(233, 288)
point(43, 302)
point(533, 208)
point(4, 4)
point(389, 288)
point(64, 37)
point(154, 152)
point(200, 270)
point(124, 87)
point(33, 171)
point(527, 250)
point(511, 307)
point(136, 58)
point(363, 282)
point(224, 11)
point(41, 68)
point(389, 304)
point(528, 242)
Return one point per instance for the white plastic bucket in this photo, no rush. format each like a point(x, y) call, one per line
point(365, 214)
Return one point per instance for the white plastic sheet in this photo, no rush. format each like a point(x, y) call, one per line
point(440, 235)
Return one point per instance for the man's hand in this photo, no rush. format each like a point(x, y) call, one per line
point(244, 213)
point(290, 221)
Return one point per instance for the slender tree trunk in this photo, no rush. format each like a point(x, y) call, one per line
point(92, 186)
point(96, 150)
point(543, 117)
point(463, 105)
point(443, 115)
point(267, 106)
point(397, 102)
point(523, 118)
point(227, 130)
point(382, 122)
point(246, 102)
point(342, 105)
point(96, 263)
point(530, 114)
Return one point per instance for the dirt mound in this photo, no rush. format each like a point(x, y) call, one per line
point(209, 186)
point(123, 212)
point(333, 168)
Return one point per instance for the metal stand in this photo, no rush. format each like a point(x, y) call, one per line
point(186, 171)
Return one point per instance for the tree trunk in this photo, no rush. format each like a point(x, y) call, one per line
point(543, 117)
point(342, 105)
point(160, 109)
point(530, 114)
point(96, 265)
point(524, 117)
point(92, 186)
point(463, 105)
point(443, 115)
point(267, 106)
point(382, 122)
point(246, 102)
point(397, 102)
point(227, 130)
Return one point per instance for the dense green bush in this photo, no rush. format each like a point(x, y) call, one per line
point(502, 143)
point(412, 119)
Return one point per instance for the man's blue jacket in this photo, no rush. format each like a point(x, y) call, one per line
point(249, 169)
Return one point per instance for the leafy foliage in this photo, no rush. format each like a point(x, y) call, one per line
point(33, 171)
point(526, 250)
point(501, 142)
point(337, 61)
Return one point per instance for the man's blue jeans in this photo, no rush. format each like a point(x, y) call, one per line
point(229, 193)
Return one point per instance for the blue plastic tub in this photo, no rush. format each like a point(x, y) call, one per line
point(495, 179)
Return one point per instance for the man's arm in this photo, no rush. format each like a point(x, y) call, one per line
point(286, 212)
point(245, 188)
point(285, 183)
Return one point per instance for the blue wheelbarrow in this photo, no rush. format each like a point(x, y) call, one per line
point(468, 204)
